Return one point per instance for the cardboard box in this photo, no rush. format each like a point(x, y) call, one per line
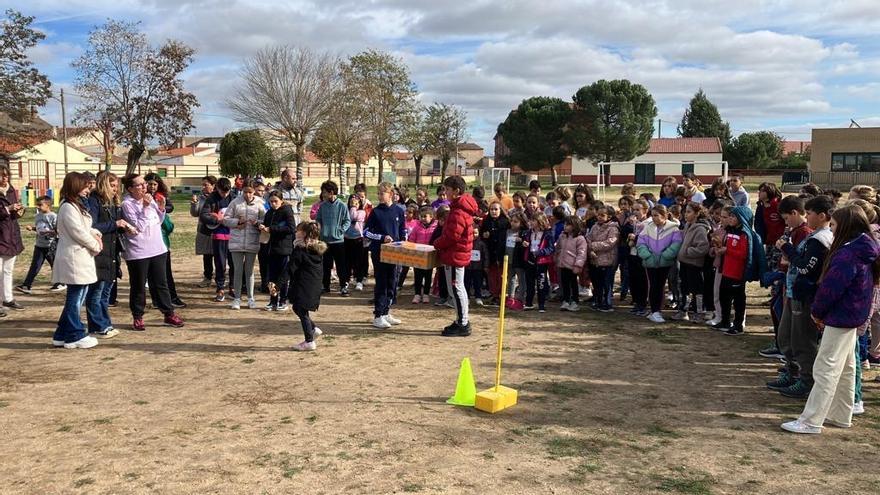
point(410, 254)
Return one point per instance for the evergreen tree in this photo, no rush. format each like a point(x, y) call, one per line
point(701, 119)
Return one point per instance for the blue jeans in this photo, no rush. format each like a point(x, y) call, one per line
point(98, 305)
point(70, 327)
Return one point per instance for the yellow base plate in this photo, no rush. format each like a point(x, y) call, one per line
point(492, 400)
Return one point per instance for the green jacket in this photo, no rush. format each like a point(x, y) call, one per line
point(167, 229)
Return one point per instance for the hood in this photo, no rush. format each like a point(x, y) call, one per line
point(745, 215)
point(864, 248)
point(318, 247)
point(704, 222)
point(824, 236)
point(466, 203)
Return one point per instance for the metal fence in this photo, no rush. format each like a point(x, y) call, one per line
point(844, 180)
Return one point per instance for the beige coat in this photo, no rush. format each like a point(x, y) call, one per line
point(77, 247)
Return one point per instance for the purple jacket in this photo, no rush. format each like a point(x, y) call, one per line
point(846, 290)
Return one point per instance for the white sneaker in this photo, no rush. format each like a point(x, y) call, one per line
point(836, 424)
point(797, 426)
point(478, 301)
point(573, 307)
point(391, 320)
point(417, 299)
point(380, 322)
point(57, 343)
point(450, 303)
point(713, 322)
point(359, 286)
point(83, 343)
point(858, 408)
point(252, 304)
point(681, 316)
point(564, 307)
point(236, 304)
point(305, 346)
point(709, 315)
point(317, 332)
point(656, 317)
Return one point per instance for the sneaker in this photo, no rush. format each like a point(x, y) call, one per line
point(714, 321)
point(391, 320)
point(206, 282)
point(858, 408)
point(107, 333)
point(734, 331)
point(450, 304)
point(426, 299)
point(236, 304)
point(281, 307)
point(58, 287)
point(252, 304)
point(270, 307)
point(564, 306)
point(13, 305)
point(380, 322)
point(177, 303)
point(656, 317)
point(722, 326)
point(680, 316)
point(456, 330)
point(542, 310)
point(645, 313)
point(317, 332)
point(138, 325)
point(441, 301)
point(585, 292)
point(359, 286)
point(23, 289)
point(57, 343)
point(573, 307)
point(836, 424)
point(172, 320)
point(220, 297)
point(344, 292)
point(305, 346)
point(417, 299)
point(771, 352)
point(783, 381)
point(797, 426)
point(83, 343)
point(479, 302)
point(709, 315)
point(800, 390)
point(605, 309)
point(528, 307)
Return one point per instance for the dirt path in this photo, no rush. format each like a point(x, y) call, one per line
point(608, 404)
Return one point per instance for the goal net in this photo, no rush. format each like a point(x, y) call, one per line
point(491, 176)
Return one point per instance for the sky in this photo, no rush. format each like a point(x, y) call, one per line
point(783, 65)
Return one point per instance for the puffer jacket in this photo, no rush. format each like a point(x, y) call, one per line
point(603, 239)
point(658, 246)
point(240, 218)
point(846, 290)
point(695, 243)
point(421, 233)
point(455, 244)
point(571, 251)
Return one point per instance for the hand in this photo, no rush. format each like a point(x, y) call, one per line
point(780, 243)
point(576, 270)
point(195, 199)
point(161, 203)
point(819, 323)
point(97, 237)
point(525, 243)
point(148, 198)
point(387, 239)
point(122, 224)
point(273, 289)
point(17, 206)
point(721, 250)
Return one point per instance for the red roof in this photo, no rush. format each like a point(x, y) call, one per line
point(789, 147)
point(177, 152)
point(685, 145)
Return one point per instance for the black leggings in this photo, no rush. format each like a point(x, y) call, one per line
point(335, 254)
point(638, 282)
point(569, 284)
point(733, 291)
point(308, 325)
point(657, 281)
point(356, 255)
point(423, 281)
point(691, 280)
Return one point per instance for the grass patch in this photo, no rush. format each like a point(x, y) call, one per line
point(560, 447)
point(102, 421)
point(64, 428)
point(730, 415)
point(108, 358)
point(286, 420)
point(3, 404)
point(413, 487)
point(489, 455)
point(311, 419)
point(663, 337)
point(525, 430)
point(579, 473)
point(130, 476)
point(660, 431)
point(83, 482)
point(140, 403)
point(694, 485)
point(567, 389)
point(248, 360)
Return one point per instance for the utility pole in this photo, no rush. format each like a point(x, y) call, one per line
point(659, 128)
point(64, 130)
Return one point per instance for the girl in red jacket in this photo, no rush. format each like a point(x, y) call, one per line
point(454, 248)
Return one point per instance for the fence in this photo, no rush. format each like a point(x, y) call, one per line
point(844, 180)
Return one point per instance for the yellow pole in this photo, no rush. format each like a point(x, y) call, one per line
point(501, 324)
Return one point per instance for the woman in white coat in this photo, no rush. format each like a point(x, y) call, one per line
point(78, 244)
point(243, 216)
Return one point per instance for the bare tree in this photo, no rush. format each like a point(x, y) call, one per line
point(289, 90)
point(138, 88)
point(446, 126)
point(417, 140)
point(382, 84)
point(335, 139)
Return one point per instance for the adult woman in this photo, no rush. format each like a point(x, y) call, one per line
point(103, 206)
point(78, 243)
point(242, 217)
point(145, 251)
point(156, 187)
point(11, 210)
point(203, 240)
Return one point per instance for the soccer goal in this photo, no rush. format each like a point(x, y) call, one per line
point(491, 176)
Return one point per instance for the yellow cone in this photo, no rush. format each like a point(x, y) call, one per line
point(466, 388)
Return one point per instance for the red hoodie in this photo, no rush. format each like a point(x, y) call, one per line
point(454, 246)
point(773, 222)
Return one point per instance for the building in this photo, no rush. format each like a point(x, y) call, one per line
point(665, 157)
point(842, 158)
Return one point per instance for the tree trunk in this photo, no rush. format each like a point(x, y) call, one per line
point(329, 170)
point(357, 171)
point(606, 170)
point(418, 161)
point(299, 163)
point(134, 156)
point(342, 179)
point(379, 156)
point(554, 178)
point(443, 165)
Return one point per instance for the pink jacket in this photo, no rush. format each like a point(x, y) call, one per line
point(421, 234)
point(604, 239)
point(571, 251)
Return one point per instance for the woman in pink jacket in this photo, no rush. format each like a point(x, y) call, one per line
point(571, 255)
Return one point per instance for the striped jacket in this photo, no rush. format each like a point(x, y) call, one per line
point(658, 246)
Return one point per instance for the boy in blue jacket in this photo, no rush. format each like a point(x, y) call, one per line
point(334, 220)
point(386, 223)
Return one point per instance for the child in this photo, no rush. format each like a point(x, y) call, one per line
point(658, 246)
point(603, 239)
point(242, 217)
point(798, 337)
point(516, 271)
point(842, 303)
point(533, 206)
point(539, 255)
point(768, 223)
point(552, 201)
point(743, 261)
point(44, 247)
point(211, 217)
point(712, 293)
point(454, 248)
point(675, 212)
point(441, 198)
point(624, 210)
point(494, 233)
point(411, 215)
point(280, 224)
point(421, 233)
point(571, 255)
point(638, 277)
point(333, 217)
point(385, 224)
point(583, 198)
point(304, 271)
point(354, 241)
point(692, 259)
point(519, 204)
point(442, 290)
point(156, 186)
point(473, 275)
point(667, 192)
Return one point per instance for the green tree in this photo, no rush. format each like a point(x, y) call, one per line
point(446, 126)
point(701, 119)
point(612, 121)
point(533, 133)
point(382, 84)
point(762, 149)
point(22, 86)
point(246, 153)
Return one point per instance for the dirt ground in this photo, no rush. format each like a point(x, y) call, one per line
point(609, 404)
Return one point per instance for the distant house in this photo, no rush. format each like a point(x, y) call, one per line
point(844, 157)
point(19, 134)
point(795, 147)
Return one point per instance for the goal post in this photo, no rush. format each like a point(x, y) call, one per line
point(492, 175)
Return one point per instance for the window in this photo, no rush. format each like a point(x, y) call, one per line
point(435, 165)
point(644, 173)
point(687, 168)
point(855, 162)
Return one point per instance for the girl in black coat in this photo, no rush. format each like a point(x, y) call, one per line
point(494, 233)
point(280, 224)
point(305, 270)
